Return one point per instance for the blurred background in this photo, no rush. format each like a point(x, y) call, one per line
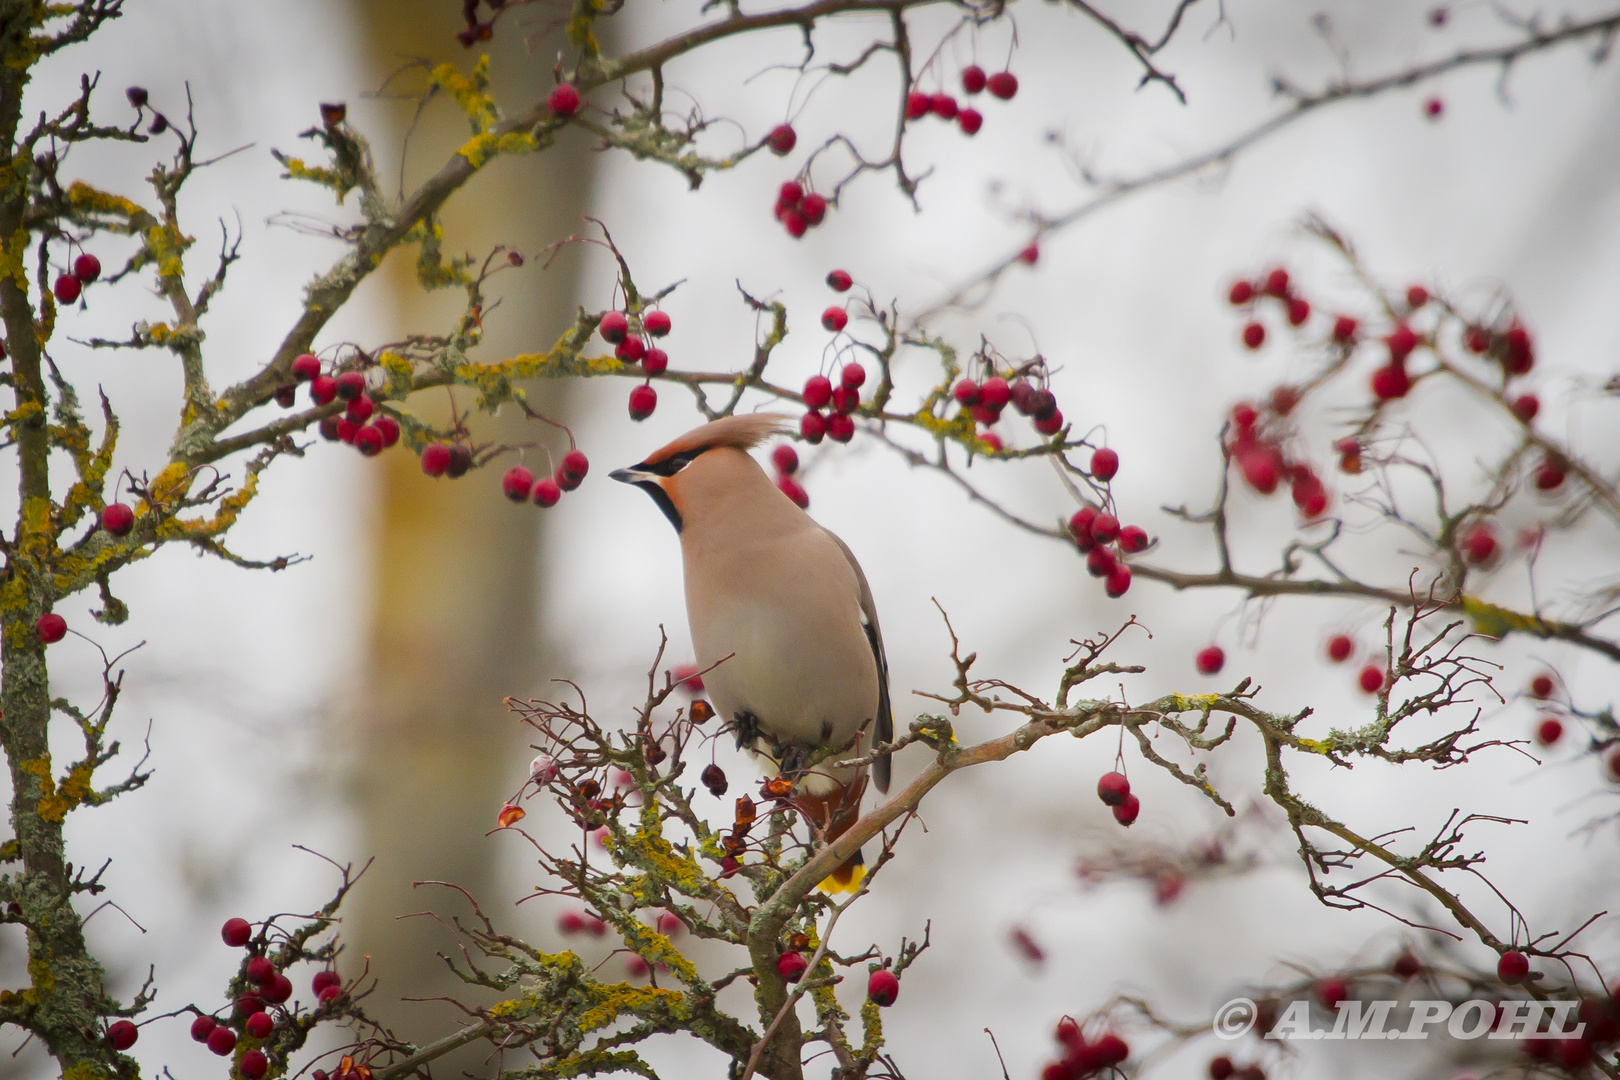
point(352, 704)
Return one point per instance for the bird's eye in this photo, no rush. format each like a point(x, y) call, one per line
point(679, 462)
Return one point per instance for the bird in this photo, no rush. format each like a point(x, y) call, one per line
point(782, 615)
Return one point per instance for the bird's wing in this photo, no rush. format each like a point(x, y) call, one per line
point(884, 731)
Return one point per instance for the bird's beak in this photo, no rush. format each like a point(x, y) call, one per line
point(627, 476)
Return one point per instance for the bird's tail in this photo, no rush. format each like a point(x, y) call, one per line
point(833, 814)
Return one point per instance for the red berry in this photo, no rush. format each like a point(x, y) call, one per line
point(436, 459)
point(834, 319)
point(1210, 660)
point(882, 987)
point(1133, 538)
point(67, 288)
point(253, 1064)
point(1332, 991)
point(388, 428)
point(1550, 476)
point(369, 440)
point(643, 400)
point(812, 427)
point(323, 979)
point(792, 966)
point(260, 970)
point(782, 140)
point(1549, 730)
point(614, 327)
point(322, 389)
point(1050, 424)
point(793, 490)
point(845, 400)
point(1479, 544)
point(853, 375)
point(1339, 648)
point(839, 280)
point(655, 362)
point(817, 391)
point(970, 121)
point(789, 194)
point(655, 323)
point(1003, 84)
point(359, 410)
point(785, 458)
point(278, 989)
point(122, 1034)
point(574, 466)
point(1390, 382)
point(917, 105)
point(973, 79)
point(1110, 1050)
point(1542, 686)
point(347, 429)
point(1031, 254)
point(330, 994)
point(87, 268)
point(351, 386)
point(1080, 526)
point(630, 350)
point(1401, 341)
point(50, 628)
point(1104, 464)
point(570, 923)
point(1406, 965)
point(984, 414)
point(943, 106)
point(994, 393)
point(1127, 810)
point(563, 100)
point(966, 393)
point(222, 1040)
point(1371, 678)
point(1260, 468)
point(813, 209)
point(1100, 562)
point(840, 428)
point(1525, 407)
point(1478, 339)
point(1416, 297)
point(305, 367)
point(1254, 335)
point(1520, 355)
point(1242, 292)
point(1298, 311)
point(1433, 107)
point(1512, 967)
point(517, 483)
point(794, 223)
point(1221, 1068)
point(117, 518)
point(260, 1024)
point(1104, 529)
point(546, 492)
point(1277, 283)
point(1118, 582)
point(1112, 788)
point(1344, 329)
point(236, 932)
point(202, 1027)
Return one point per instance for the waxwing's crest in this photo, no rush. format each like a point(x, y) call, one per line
point(738, 432)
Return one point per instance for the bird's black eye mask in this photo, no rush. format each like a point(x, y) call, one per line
point(670, 465)
point(642, 477)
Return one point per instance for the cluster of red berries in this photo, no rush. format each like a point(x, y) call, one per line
point(1115, 791)
point(1003, 84)
point(1221, 1068)
point(68, 286)
point(637, 348)
point(1263, 462)
point(519, 484)
point(1549, 729)
point(786, 461)
point(1097, 534)
point(843, 399)
point(360, 424)
point(570, 923)
point(251, 1014)
point(1340, 647)
point(1082, 1056)
point(798, 210)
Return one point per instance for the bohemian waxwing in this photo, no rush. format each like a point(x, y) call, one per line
point(781, 605)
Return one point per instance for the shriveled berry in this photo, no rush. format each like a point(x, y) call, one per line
point(260, 1024)
point(517, 483)
point(1118, 581)
point(973, 79)
point(656, 323)
point(545, 493)
point(785, 458)
point(122, 1034)
point(67, 288)
point(1133, 538)
point(970, 121)
point(840, 428)
point(643, 400)
point(966, 393)
point(1339, 648)
point(1254, 335)
point(286, 396)
point(812, 427)
point(1127, 810)
point(1512, 967)
point(563, 100)
point(791, 966)
point(1003, 84)
point(1344, 329)
point(1371, 679)
point(918, 104)
point(834, 319)
point(1549, 730)
point(50, 628)
point(882, 987)
point(1210, 660)
point(202, 1027)
point(839, 280)
point(222, 1040)
point(794, 490)
point(1113, 787)
point(782, 140)
point(1104, 464)
point(305, 367)
point(435, 459)
point(87, 268)
point(615, 325)
point(714, 778)
point(253, 1064)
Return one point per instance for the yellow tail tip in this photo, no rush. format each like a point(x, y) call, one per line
point(845, 879)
